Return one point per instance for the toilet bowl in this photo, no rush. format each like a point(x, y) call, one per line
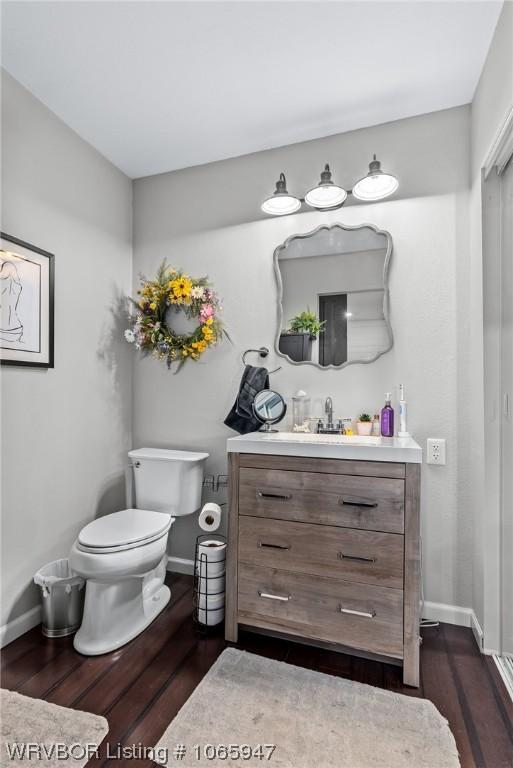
point(123, 556)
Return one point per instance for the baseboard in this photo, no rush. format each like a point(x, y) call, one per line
point(460, 616)
point(505, 668)
point(17, 627)
point(180, 565)
point(478, 632)
point(448, 614)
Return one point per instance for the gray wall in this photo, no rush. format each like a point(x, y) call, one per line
point(205, 219)
point(65, 431)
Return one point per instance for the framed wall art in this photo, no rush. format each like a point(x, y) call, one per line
point(26, 304)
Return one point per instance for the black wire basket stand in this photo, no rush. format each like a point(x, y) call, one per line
point(203, 575)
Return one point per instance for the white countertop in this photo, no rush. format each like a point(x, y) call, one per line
point(400, 449)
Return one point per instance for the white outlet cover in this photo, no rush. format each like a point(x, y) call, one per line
point(436, 451)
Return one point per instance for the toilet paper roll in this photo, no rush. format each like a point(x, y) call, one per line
point(211, 609)
point(208, 585)
point(210, 517)
point(213, 551)
point(210, 570)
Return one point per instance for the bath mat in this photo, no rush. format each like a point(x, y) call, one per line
point(313, 720)
point(42, 734)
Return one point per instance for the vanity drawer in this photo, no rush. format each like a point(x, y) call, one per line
point(354, 555)
point(356, 615)
point(352, 501)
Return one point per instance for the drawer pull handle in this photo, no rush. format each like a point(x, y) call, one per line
point(365, 614)
point(358, 558)
point(278, 496)
point(273, 546)
point(349, 501)
point(283, 598)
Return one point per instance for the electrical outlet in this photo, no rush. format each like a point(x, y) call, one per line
point(435, 450)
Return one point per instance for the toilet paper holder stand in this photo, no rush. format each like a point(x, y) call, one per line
point(206, 604)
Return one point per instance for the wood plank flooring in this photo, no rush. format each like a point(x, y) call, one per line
point(141, 687)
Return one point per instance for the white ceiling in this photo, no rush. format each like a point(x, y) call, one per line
point(156, 86)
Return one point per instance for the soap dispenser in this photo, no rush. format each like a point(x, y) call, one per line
point(387, 417)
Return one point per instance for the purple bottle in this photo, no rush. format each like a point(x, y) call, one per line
point(387, 417)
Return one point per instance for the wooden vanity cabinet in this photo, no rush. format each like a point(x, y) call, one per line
point(326, 550)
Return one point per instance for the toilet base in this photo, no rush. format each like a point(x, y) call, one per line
point(115, 613)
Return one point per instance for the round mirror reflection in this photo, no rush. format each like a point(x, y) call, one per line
point(269, 407)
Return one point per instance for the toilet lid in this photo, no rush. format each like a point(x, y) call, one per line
point(119, 529)
point(166, 454)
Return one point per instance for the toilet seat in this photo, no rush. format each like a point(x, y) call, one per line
point(120, 531)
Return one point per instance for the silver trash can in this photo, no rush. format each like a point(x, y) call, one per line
point(62, 594)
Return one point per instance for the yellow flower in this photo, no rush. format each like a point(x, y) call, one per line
point(209, 336)
point(153, 305)
point(181, 287)
point(210, 320)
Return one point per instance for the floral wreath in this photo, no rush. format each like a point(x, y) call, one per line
point(172, 289)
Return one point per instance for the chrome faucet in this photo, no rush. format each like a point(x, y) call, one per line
point(329, 427)
point(328, 409)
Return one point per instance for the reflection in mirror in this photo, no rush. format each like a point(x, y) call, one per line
point(269, 408)
point(333, 285)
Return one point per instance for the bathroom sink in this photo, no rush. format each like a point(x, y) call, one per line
point(328, 446)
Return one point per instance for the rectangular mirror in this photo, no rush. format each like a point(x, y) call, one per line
point(333, 296)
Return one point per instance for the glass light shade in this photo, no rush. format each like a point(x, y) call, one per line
point(280, 203)
point(326, 194)
point(376, 185)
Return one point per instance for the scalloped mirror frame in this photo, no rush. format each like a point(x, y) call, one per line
point(386, 294)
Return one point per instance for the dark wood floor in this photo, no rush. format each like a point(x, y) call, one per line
point(141, 687)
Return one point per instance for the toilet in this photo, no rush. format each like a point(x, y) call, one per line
point(123, 556)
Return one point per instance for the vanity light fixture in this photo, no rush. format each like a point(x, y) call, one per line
point(376, 185)
point(280, 203)
point(328, 196)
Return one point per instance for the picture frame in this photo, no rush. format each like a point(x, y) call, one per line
point(27, 287)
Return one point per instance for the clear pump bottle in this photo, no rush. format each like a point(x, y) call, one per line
point(300, 411)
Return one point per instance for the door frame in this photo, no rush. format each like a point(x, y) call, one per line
point(495, 162)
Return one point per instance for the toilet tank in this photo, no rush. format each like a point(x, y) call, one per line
point(168, 481)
